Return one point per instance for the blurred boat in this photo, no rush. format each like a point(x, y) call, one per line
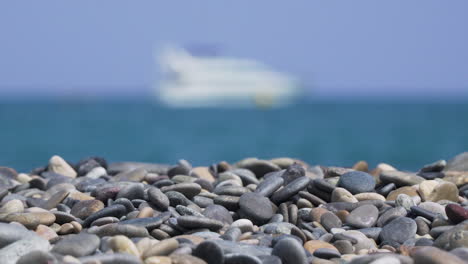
point(189, 80)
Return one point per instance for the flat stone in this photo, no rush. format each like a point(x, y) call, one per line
point(369, 196)
point(342, 195)
point(219, 213)
point(363, 216)
point(245, 225)
point(357, 182)
point(209, 252)
point(149, 223)
point(11, 253)
point(259, 167)
point(399, 230)
point(122, 244)
point(83, 209)
point(327, 253)
point(10, 233)
point(329, 220)
point(119, 229)
point(456, 213)
point(444, 191)
point(236, 258)
point(116, 210)
point(290, 251)
point(37, 257)
point(426, 188)
point(400, 178)
point(77, 245)
point(361, 241)
point(131, 192)
point(158, 198)
point(408, 190)
point(46, 232)
point(158, 260)
point(313, 245)
point(290, 190)
point(269, 185)
point(432, 255)
point(193, 222)
point(162, 248)
point(30, 220)
point(187, 189)
point(12, 206)
point(60, 166)
point(256, 208)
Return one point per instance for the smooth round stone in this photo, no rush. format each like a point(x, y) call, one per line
point(269, 185)
point(313, 245)
point(277, 228)
point(400, 178)
point(11, 253)
point(342, 195)
point(219, 213)
point(324, 185)
point(369, 196)
point(116, 210)
point(456, 213)
point(31, 220)
point(122, 244)
point(131, 192)
point(329, 220)
point(409, 190)
point(422, 226)
point(12, 206)
point(187, 189)
point(231, 190)
point(363, 216)
point(327, 253)
point(432, 255)
point(290, 190)
point(60, 166)
point(185, 259)
point(37, 257)
point(237, 258)
point(258, 167)
point(256, 208)
point(119, 229)
point(357, 182)
point(344, 246)
point(404, 201)
point(460, 252)
point(209, 252)
point(10, 233)
point(193, 222)
point(399, 230)
point(444, 191)
point(46, 232)
point(391, 214)
point(77, 245)
point(433, 207)
point(290, 251)
point(232, 234)
point(245, 225)
point(104, 221)
point(162, 248)
point(426, 188)
point(158, 198)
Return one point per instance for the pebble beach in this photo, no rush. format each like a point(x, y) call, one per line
point(252, 211)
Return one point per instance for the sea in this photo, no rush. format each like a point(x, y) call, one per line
point(406, 134)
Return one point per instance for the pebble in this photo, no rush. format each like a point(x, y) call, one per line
point(357, 182)
point(255, 211)
point(290, 251)
point(122, 244)
point(342, 195)
point(209, 252)
point(256, 208)
point(363, 216)
point(398, 230)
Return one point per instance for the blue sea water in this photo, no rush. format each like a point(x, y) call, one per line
point(404, 134)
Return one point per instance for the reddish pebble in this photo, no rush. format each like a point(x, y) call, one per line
point(456, 213)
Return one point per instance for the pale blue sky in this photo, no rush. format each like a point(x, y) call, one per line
point(397, 47)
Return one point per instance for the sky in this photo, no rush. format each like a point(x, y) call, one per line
point(360, 47)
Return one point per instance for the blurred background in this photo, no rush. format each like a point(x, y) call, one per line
point(328, 82)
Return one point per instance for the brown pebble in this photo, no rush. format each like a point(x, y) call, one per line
point(146, 212)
